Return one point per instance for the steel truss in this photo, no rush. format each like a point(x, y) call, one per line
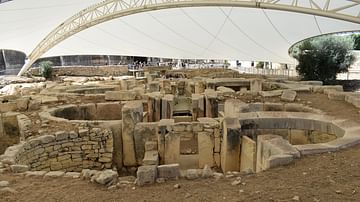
point(111, 9)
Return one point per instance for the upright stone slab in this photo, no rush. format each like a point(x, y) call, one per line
point(167, 106)
point(198, 106)
point(165, 87)
point(248, 155)
point(206, 149)
point(154, 106)
point(256, 85)
point(143, 132)
point(230, 149)
point(211, 103)
point(124, 95)
point(146, 175)
point(164, 127)
point(288, 96)
point(172, 148)
point(132, 114)
point(200, 87)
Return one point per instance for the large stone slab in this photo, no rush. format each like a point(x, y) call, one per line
point(124, 95)
point(169, 171)
point(146, 175)
point(151, 158)
point(132, 114)
point(248, 155)
point(143, 132)
point(206, 149)
point(172, 148)
point(288, 96)
point(230, 149)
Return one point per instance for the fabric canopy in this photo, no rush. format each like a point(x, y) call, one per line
point(184, 33)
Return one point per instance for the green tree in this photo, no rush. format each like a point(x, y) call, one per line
point(322, 58)
point(46, 69)
point(356, 38)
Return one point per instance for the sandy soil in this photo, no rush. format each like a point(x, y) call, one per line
point(323, 177)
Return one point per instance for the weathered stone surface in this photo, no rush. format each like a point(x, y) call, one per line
point(132, 114)
point(124, 95)
point(255, 85)
point(19, 168)
point(206, 172)
point(106, 177)
point(73, 175)
point(273, 93)
point(108, 111)
point(151, 158)
point(8, 190)
point(61, 135)
point(4, 183)
point(288, 96)
point(54, 174)
point(143, 133)
point(35, 173)
point(206, 148)
point(146, 175)
point(172, 148)
point(230, 149)
point(151, 145)
point(248, 155)
point(233, 107)
point(169, 171)
point(22, 103)
point(192, 174)
point(46, 139)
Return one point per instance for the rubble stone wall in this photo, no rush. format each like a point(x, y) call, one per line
point(88, 71)
point(68, 151)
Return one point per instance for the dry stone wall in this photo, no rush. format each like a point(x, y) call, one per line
point(68, 151)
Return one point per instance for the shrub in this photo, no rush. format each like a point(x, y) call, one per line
point(322, 58)
point(46, 69)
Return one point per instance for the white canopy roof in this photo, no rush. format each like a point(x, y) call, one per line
point(185, 33)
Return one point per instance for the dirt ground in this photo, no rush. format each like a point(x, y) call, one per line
point(324, 177)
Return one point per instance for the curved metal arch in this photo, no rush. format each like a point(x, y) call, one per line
point(111, 9)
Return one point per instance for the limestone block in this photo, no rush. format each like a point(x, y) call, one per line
point(49, 99)
point(108, 111)
point(211, 103)
point(217, 144)
point(61, 135)
point(167, 106)
point(200, 87)
point(132, 114)
point(230, 148)
point(106, 177)
point(124, 95)
point(22, 103)
point(172, 148)
point(336, 95)
point(278, 160)
point(192, 174)
point(153, 86)
point(273, 147)
point(10, 125)
point(146, 175)
point(288, 96)
point(151, 145)
point(154, 107)
point(46, 139)
point(168, 171)
point(298, 137)
point(151, 158)
point(272, 93)
point(143, 133)
point(164, 127)
point(165, 86)
point(233, 107)
point(54, 174)
point(248, 155)
point(34, 105)
point(19, 168)
point(206, 149)
point(273, 106)
point(255, 85)
point(8, 107)
point(217, 160)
